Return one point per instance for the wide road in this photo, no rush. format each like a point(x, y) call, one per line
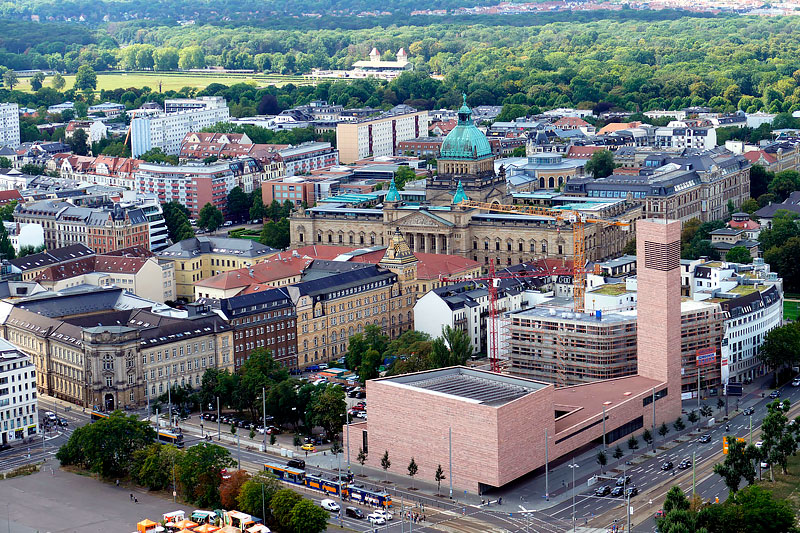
point(653, 482)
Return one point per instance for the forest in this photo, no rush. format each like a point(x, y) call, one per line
point(727, 62)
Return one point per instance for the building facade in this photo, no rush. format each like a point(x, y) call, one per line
point(9, 125)
point(379, 136)
point(19, 417)
point(167, 130)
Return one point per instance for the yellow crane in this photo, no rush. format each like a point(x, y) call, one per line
point(575, 218)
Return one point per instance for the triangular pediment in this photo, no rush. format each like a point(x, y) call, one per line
point(424, 219)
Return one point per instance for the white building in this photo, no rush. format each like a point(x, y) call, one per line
point(178, 105)
point(167, 130)
point(9, 125)
point(24, 235)
point(754, 120)
point(752, 299)
point(465, 306)
point(18, 416)
point(150, 205)
point(677, 115)
point(681, 136)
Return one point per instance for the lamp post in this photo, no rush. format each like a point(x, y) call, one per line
point(450, 446)
point(573, 466)
point(264, 416)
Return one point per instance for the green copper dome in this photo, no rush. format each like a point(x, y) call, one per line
point(392, 195)
point(460, 195)
point(465, 141)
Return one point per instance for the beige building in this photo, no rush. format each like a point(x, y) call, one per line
point(338, 299)
point(442, 226)
point(104, 348)
point(199, 258)
point(277, 271)
point(379, 136)
point(148, 278)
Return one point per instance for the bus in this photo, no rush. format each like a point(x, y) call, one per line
point(97, 415)
point(167, 437)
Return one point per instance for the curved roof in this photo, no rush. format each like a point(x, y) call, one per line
point(465, 141)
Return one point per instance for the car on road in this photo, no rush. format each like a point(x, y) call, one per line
point(660, 513)
point(63, 422)
point(631, 491)
point(616, 492)
point(775, 394)
point(375, 519)
point(622, 480)
point(51, 416)
point(686, 463)
point(759, 444)
point(602, 491)
point(354, 512)
point(296, 463)
point(329, 505)
point(387, 515)
point(749, 411)
point(667, 466)
point(228, 223)
point(308, 447)
point(796, 382)
point(704, 439)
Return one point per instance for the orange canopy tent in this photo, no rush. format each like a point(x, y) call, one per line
point(185, 531)
point(186, 524)
point(145, 525)
point(206, 528)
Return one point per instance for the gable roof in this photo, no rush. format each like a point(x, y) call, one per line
point(67, 253)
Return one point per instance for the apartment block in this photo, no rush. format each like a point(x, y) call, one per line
point(166, 131)
point(180, 105)
point(9, 125)
point(18, 403)
point(380, 135)
point(306, 157)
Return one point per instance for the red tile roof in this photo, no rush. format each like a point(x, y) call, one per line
point(756, 155)
point(570, 122)
point(583, 152)
point(274, 269)
point(8, 196)
point(87, 265)
point(744, 224)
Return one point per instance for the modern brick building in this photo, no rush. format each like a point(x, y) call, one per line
point(500, 426)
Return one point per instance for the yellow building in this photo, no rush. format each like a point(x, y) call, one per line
point(199, 258)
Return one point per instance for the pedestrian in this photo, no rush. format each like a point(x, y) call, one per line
point(135, 500)
point(500, 501)
point(131, 496)
point(423, 517)
point(117, 483)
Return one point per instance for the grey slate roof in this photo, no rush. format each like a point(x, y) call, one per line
point(43, 259)
point(791, 204)
point(220, 245)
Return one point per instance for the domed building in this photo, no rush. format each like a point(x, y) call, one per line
point(465, 158)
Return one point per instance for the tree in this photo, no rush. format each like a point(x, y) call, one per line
point(439, 477)
point(282, 503)
point(601, 164)
point(257, 209)
point(663, 430)
point(403, 175)
point(386, 463)
point(412, 471)
point(32, 169)
point(210, 217)
point(692, 417)
point(327, 410)
point(451, 349)
point(230, 488)
point(85, 78)
point(272, 439)
point(152, 466)
point(675, 500)
point(633, 443)
point(10, 79)
point(630, 247)
point(778, 437)
point(784, 183)
point(57, 81)
point(268, 105)
point(361, 458)
point(201, 473)
point(107, 446)
point(238, 204)
point(256, 493)
point(647, 436)
point(602, 460)
point(750, 206)
point(706, 411)
point(5, 162)
point(679, 425)
point(738, 464)
point(781, 347)
point(306, 517)
point(37, 80)
point(618, 453)
point(6, 248)
point(720, 403)
point(276, 234)
point(785, 259)
point(739, 254)
point(156, 155)
point(77, 142)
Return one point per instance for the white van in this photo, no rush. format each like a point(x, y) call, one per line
point(329, 505)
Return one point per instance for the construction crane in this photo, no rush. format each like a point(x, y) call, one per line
point(493, 280)
point(576, 219)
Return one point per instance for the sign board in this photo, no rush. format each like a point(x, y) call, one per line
point(734, 389)
point(592, 481)
point(706, 356)
point(725, 444)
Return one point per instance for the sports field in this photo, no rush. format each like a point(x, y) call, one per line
point(177, 80)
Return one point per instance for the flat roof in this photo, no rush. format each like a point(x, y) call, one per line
point(566, 315)
point(469, 384)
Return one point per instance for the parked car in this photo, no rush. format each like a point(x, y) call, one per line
point(622, 480)
point(667, 466)
point(704, 439)
point(602, 491)
point(354, 512)
point(329, 505)
point(309, 447)
point(686, 463)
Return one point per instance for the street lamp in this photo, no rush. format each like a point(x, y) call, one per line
point(573, 466)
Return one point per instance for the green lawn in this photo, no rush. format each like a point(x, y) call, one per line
point(785, 487)
point(791, 310)
point(177, 80)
